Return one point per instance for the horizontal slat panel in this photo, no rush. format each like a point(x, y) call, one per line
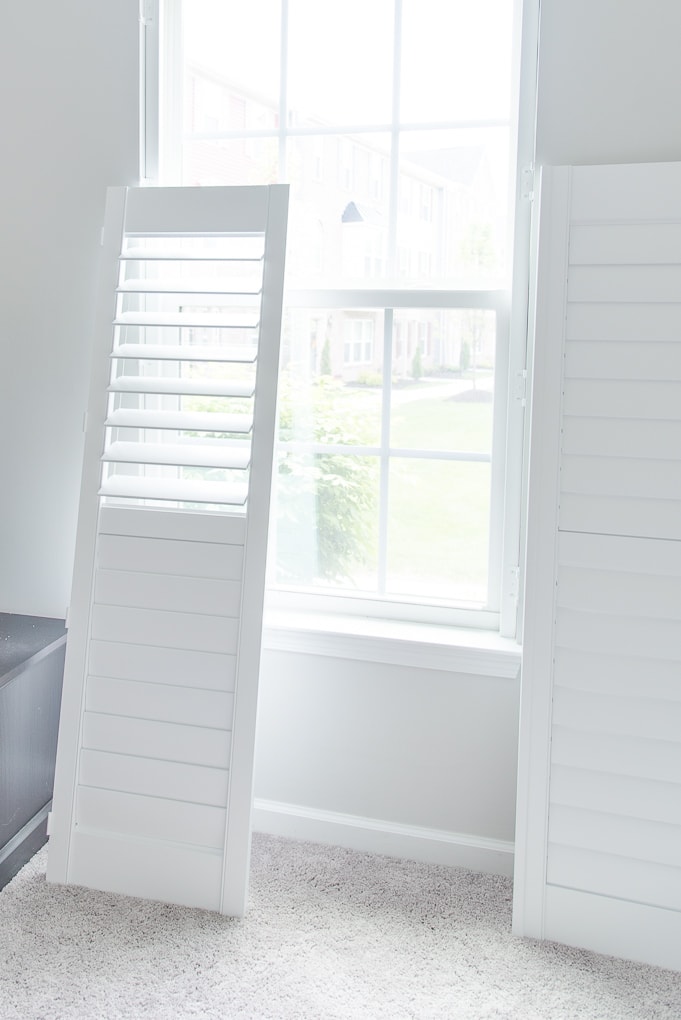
point(150, 817)
point(174, 630)
point(183, 525)
point(644, 637)
point(628, 477)
point(622, 756)
point(620, 795)
point(612, 673)
point(618, 593)
point(623, 322)
point(186, 352)
point(165, 591)
point(161, 702)
point(633, 360)
point(634, 283)
point(626, 193)
point(178, 490)
point(188, 319)
point(151, 869)
point(605, 398)
point(625, 243)
point(608, 437)
point(150, 777)
point(618, 835)
point(182, 421)
point(589, 712)
point(616, 515)
point(155, 664)
point(193, 211)
point(613, 552)
point(196, 455)
point(167, 556)
point(145, 738)
point(182, 386)
point(609, 875)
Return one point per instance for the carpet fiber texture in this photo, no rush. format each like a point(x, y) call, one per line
point(330, 934)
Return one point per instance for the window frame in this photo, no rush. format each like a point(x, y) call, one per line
point(160, 46)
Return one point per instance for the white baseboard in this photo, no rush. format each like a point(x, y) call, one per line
point(433, 846)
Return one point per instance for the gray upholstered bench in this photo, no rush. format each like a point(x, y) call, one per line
point(31, 671)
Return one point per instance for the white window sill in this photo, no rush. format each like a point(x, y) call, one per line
point(454, 649)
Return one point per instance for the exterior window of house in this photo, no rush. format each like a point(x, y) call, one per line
point(394, 393)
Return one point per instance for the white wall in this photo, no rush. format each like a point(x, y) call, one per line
point(609, 81)
point(68, 78)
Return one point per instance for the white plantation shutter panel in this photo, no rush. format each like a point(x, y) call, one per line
point(598, 834)
point(155, 760)
point(598, 851)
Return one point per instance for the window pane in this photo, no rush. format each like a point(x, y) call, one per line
point(339, 209)
point(327, 520)
point(456, 60)
point(340, 61)
point(232, 161)
point(227, 41)
point(452, 220)
point(443, 380)
point(438, 530)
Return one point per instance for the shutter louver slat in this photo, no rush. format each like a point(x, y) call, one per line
point(230, 457)
point(188, 352)
point(190, 387)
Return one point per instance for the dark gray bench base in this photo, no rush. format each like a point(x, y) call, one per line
point(31, 671)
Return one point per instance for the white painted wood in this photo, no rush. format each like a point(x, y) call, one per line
point(625, 283)
point(618, 437)
point(127, 814)
point(147, 869)
point(186, 705)
point(150, 777)
point(617, 673)
point(617, 515)
point(139, 522)
point(619, 795)
point(611, 569)
point(619, 835)
point(639, 757)
point(174, 630)
point(652, 718)
point(155, 760)
point(625, 243)
point(616, 398)
point(167, 556)
point(614, 926)
point(148, 738)
point(649, 883)
point(621, 323)
point(155, 664)
point(538, 624)
point(641, 478)
point(372, 835)
point(207, 595)
point(645, 360)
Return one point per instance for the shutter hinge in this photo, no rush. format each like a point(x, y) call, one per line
point(66, 617)
point(520, 387)
point(85, 421)
point(527, 183)
point(49, 823)
point(514, 586)
point(147, 11)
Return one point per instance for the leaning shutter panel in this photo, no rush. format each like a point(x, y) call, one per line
point(598, 846)
point(155, 758)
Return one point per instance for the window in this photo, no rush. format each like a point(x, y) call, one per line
point(394, 482)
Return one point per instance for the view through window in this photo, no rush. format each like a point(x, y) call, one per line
point(393, 123)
